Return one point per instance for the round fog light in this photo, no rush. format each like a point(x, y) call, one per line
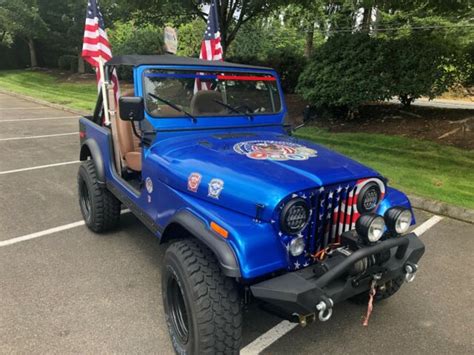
point(398, 219)
point(297, 246)
point(370, 227)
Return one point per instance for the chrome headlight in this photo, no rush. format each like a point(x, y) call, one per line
point(369, 197)
point(297, 246)
point(370, 227)
point(398, 219)
point(295, 216)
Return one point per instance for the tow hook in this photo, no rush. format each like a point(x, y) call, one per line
point(325, 309)
point(410, 272)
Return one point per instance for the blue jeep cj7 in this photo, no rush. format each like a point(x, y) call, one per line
point(199, 152)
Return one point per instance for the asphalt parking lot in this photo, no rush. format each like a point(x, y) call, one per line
point(72, 291)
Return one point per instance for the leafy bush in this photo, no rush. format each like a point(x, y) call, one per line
point(129, 38)
point(419, 65)
point(190, 38)
point(344, 72)
point(68, 62)
point(351, 69)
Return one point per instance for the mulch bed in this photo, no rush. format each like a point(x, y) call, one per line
point(454, 127)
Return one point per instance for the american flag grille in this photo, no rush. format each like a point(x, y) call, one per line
point(332, 213)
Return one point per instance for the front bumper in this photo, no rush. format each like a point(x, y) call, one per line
point(301, 291)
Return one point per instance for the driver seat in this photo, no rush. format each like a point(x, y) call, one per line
point(203, 103)
point(128, 142)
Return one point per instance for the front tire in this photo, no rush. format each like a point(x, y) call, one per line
point(202, 307)
point(100, 209)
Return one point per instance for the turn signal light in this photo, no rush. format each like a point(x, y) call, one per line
point(219, 230)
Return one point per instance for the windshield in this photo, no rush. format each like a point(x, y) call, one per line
point(209, 93)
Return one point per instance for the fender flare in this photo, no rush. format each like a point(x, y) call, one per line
point(221, 249)
point(91, 148)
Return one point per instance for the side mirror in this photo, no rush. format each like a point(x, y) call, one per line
point(131, 108)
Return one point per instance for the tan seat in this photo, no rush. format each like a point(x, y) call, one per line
point(203, 103)
point(128, 142)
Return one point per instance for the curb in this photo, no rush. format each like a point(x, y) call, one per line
point(442, 208)
point(44, 103)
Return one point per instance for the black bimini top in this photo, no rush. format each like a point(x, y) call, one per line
point(168, 59)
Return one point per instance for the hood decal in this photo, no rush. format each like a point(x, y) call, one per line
point(274, 150)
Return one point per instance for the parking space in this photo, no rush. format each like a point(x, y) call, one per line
point(26, 128)
point(37, 200)
point(76, 292)
point(37, 152)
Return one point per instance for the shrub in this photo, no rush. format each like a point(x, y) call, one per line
point(190, 38)
point(344, 72)
point(128, 38)
point(419, 65)
point(349, 70)
point(68, 62)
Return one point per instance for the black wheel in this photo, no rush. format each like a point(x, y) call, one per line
point(202, 306)
point(100, 209)
point(383, 291)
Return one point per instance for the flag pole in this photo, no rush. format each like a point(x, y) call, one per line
point(105, 100)
point(107, 121)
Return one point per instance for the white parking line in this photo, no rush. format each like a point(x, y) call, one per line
point(36, 137)
point(38, 119)
point(24, 108)
point(31, 236)
point(421, 229)
point(267, 339)
point(38, 167)
point(284, 327)
point(4, 243)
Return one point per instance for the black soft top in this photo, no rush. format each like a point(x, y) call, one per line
point(168, 59)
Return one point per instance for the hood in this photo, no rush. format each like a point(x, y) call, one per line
point(242, 170)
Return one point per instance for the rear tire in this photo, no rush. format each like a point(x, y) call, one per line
point(100, 209)
point(383, 291)
point(202, 307)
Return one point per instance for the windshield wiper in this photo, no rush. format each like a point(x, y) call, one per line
point(235, 110)
point(173, 106)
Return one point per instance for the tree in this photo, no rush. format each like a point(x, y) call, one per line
point(309, 17)
point(232, 13)
point(21, 19)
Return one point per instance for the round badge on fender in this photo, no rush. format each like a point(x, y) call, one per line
point(149, 185)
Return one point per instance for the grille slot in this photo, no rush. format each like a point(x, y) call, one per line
point(332, 214)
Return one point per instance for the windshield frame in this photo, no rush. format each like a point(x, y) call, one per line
point(235, 70)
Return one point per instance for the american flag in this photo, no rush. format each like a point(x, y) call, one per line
point(96, 49)
point(211, 48)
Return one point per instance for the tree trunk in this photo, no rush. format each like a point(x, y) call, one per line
point(31, 46)
point(367, 19)
point(81, 67)
point(308, 49)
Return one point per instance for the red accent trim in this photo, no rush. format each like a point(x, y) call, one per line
point(246, 78)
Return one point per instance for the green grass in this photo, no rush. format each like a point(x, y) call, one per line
point(420, 167)
point(48, 87)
